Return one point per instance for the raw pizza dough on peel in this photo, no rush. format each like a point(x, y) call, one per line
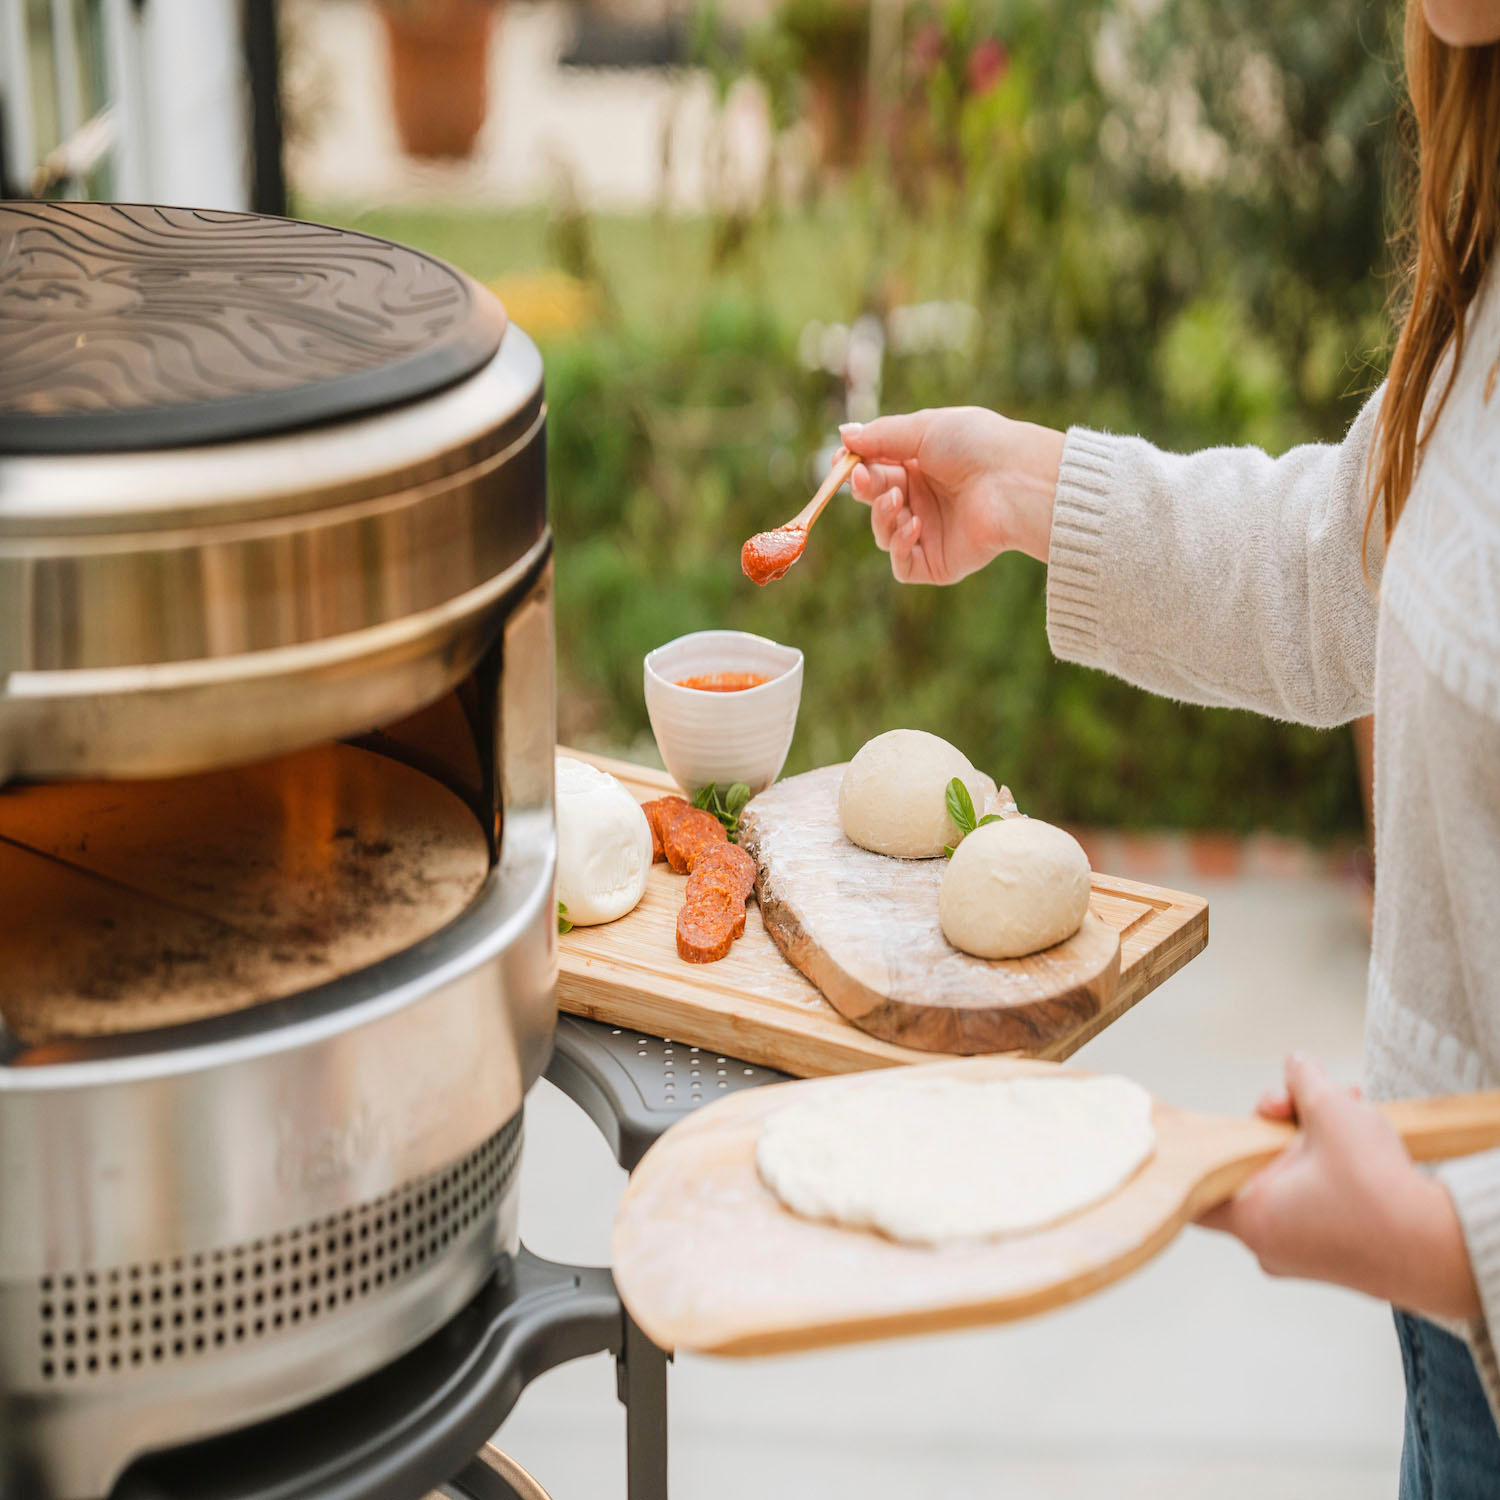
point(934, 1160)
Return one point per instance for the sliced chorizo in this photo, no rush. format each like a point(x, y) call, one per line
point(713, 909)
point(723, 895)
point(707, 927)
point(660, 811)
point(721, 876)
point(687, 834)
point(656, 811)
point(729, 862)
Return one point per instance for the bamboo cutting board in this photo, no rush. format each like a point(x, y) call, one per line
point(864, 928)
point(754, 1005)
point(706, 1258)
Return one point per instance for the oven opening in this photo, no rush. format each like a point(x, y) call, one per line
point(133, 905)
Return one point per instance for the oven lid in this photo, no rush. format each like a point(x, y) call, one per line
point(126, 327)
point(168, 368)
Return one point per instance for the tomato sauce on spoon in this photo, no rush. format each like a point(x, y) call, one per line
point(768, 554)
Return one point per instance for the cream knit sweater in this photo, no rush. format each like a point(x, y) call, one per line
point(1227, 577)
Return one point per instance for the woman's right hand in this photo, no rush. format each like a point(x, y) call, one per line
point(952, 488)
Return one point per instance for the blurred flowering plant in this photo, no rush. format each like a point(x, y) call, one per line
point(828, 42)
point(954, 103)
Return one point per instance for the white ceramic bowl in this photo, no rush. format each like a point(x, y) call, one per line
point(723, 737)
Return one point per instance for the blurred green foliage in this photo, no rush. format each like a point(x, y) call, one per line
point(1171, 220)
point(651, 504)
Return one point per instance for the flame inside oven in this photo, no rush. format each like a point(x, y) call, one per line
point(134, 905)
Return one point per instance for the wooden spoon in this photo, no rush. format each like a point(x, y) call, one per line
point(768, 554)
point(707, 1258)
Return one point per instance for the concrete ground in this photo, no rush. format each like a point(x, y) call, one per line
point(1198, 1377)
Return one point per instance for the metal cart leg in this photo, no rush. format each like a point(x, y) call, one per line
point(641, 1379)
point(627, 1082)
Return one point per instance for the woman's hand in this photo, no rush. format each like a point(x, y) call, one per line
point(951, 489)
point(1345, 1204)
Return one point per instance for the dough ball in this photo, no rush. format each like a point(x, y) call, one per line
point(893, 799)
point(603, 845)
point(1014, 888)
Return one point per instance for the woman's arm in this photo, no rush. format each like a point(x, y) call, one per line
point(1222, 577)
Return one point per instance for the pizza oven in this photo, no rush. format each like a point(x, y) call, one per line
point(277, 936)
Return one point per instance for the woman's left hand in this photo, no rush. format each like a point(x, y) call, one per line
point(1345, 1204)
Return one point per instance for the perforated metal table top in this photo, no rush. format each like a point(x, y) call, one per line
point(635, 1087)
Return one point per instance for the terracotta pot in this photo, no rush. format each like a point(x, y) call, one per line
point(837, 108)
point(439, 52)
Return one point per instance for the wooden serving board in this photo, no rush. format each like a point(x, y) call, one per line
point(864, 928)
point(706, 1258)
point(754, 1005)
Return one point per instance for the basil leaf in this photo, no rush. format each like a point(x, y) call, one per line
point(563, 924)
point(726, 806)
point(960, 806)
point(948, 851)
point(989, 818)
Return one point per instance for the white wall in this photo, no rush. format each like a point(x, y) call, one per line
point(194, 104)
point(19, 146)
point(176, 87)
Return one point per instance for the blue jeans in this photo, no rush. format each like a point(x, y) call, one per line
point(1451, 1449)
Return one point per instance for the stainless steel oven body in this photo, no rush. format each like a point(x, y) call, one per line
point(308, 523)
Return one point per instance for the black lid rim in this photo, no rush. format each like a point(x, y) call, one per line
point(268, 414)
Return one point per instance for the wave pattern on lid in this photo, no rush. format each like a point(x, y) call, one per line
point(130, 326)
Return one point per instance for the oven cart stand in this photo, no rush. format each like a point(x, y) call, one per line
point(420, 1426)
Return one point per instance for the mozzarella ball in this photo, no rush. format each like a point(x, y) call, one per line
point(1013, 888)
point(894, 796)
point(603, 845)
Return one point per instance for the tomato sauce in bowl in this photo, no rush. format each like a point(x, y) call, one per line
point(723, 682)
point(723, 707)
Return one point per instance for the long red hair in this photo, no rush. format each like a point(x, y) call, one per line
point(1455, 222)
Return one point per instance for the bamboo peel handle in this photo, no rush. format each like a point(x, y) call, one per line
point(1454, 1125)
point(1431, 1129)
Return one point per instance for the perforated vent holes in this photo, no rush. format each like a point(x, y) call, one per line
point(114, 1319)
point(678, 1076)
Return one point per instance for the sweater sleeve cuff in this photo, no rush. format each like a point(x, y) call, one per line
point(1077, 557)
point(1473, 1182)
